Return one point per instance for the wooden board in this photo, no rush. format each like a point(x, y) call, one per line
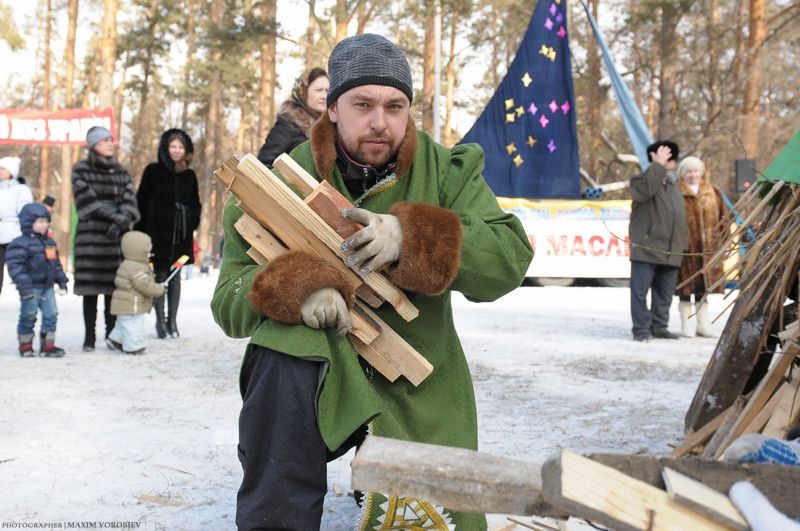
point(326, 201)
point(778, 483)
point(588, 489)
point(295, 174)
point(700, 436)
point(459, 479)
point(786, 412)
point(731, 415)
point(703, 499)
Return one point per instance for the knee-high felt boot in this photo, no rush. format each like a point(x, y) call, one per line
point(685, 309)
point(173, 300)
point(703, 320)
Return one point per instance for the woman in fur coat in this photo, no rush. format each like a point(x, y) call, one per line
point(106, 205)
point(705, 211)
point(296, 116)
point(170, 205)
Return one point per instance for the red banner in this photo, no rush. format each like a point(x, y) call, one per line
point(51, 128)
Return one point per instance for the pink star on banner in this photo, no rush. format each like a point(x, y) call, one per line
point(551, 146)
point(553, 106)
point(548, 24)
point(544, 121)
point(561, 32)
point(532, 109)
point(565, 107)
point(553, 9)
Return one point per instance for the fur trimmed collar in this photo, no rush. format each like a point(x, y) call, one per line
point(300, 115)
point(323, 147)
point(704, 189)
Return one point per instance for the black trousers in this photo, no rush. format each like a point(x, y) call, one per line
point(662, 279)
point(283, 456)
point(90, 316)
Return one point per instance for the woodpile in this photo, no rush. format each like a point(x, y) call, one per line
point(276, 219)
point(751, 383)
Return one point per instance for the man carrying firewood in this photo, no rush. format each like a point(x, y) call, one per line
point(432, 225)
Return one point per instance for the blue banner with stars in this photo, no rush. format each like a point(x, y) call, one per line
point(527, 130)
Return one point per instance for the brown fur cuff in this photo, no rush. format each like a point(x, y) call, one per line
point(431, 252)
point(279, 291)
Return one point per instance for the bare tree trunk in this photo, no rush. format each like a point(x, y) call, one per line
point(64, 210)
point(108, 54)
point(751, 114)
point(342, 19)
point(428, 67)
point(310, 59)
point(638, 96)
point(494, 60)
point(187, 68)
point(243, 112)
point(120, 101)
point(364, 14)
point(139, 153)
point(267, 11)
point(44, 154)
point(666, 110)
point(211, 142)
point(594, 99)
point(447, 133)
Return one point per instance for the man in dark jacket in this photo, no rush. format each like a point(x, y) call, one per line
point(658, 237)
point(33, 264)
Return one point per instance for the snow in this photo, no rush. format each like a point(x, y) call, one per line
point(100, 436)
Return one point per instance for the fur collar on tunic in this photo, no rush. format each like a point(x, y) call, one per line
point(323, 147)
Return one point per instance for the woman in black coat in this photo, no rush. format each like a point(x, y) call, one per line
point(106, 203)
point(170, 206)
point(296, 116)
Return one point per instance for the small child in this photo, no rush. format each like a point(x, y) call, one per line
point(33, 264)
point(136, 288)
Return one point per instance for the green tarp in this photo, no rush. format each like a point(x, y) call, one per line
point(786, 166)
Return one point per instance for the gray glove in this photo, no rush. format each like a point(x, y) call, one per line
point(325, 308)
point(377, 244)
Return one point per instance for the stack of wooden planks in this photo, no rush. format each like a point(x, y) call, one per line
point(618, 491)
point(277, 219)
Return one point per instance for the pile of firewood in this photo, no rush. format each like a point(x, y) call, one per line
point(752, 383)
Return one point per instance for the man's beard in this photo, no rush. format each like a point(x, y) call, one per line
point(375, 158)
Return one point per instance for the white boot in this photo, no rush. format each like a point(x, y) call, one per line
point(703, 321)
point(685, 309)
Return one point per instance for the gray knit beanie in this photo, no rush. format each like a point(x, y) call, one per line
point(96, 134)
point(367, 59)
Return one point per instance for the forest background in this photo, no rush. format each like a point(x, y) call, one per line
point(719, 77)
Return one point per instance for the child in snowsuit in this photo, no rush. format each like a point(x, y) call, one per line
point(133, 297)
point(33, 264)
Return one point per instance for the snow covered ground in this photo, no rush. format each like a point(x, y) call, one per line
point(105, 437)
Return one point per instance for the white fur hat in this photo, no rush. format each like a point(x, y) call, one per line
point(11, 164)
point(691, 163)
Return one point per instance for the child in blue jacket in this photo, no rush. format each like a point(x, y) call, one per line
point(33, 264)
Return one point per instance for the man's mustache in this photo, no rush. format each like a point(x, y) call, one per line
point(376, 137)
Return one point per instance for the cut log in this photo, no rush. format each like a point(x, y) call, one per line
point(594, 491)
point(458, 479)
point(703, 499)
point(326, 201)
point(777, 482)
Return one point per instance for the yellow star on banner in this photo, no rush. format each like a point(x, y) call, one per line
point(531, 141)
point(548, 52)
point(510, 117)
point(527, 80)
point(558, 2)
point(518, 161)
point(511, 148)
point(509, 103)
point(520, 111)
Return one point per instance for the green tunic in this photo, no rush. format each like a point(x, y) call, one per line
point(494, 258)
